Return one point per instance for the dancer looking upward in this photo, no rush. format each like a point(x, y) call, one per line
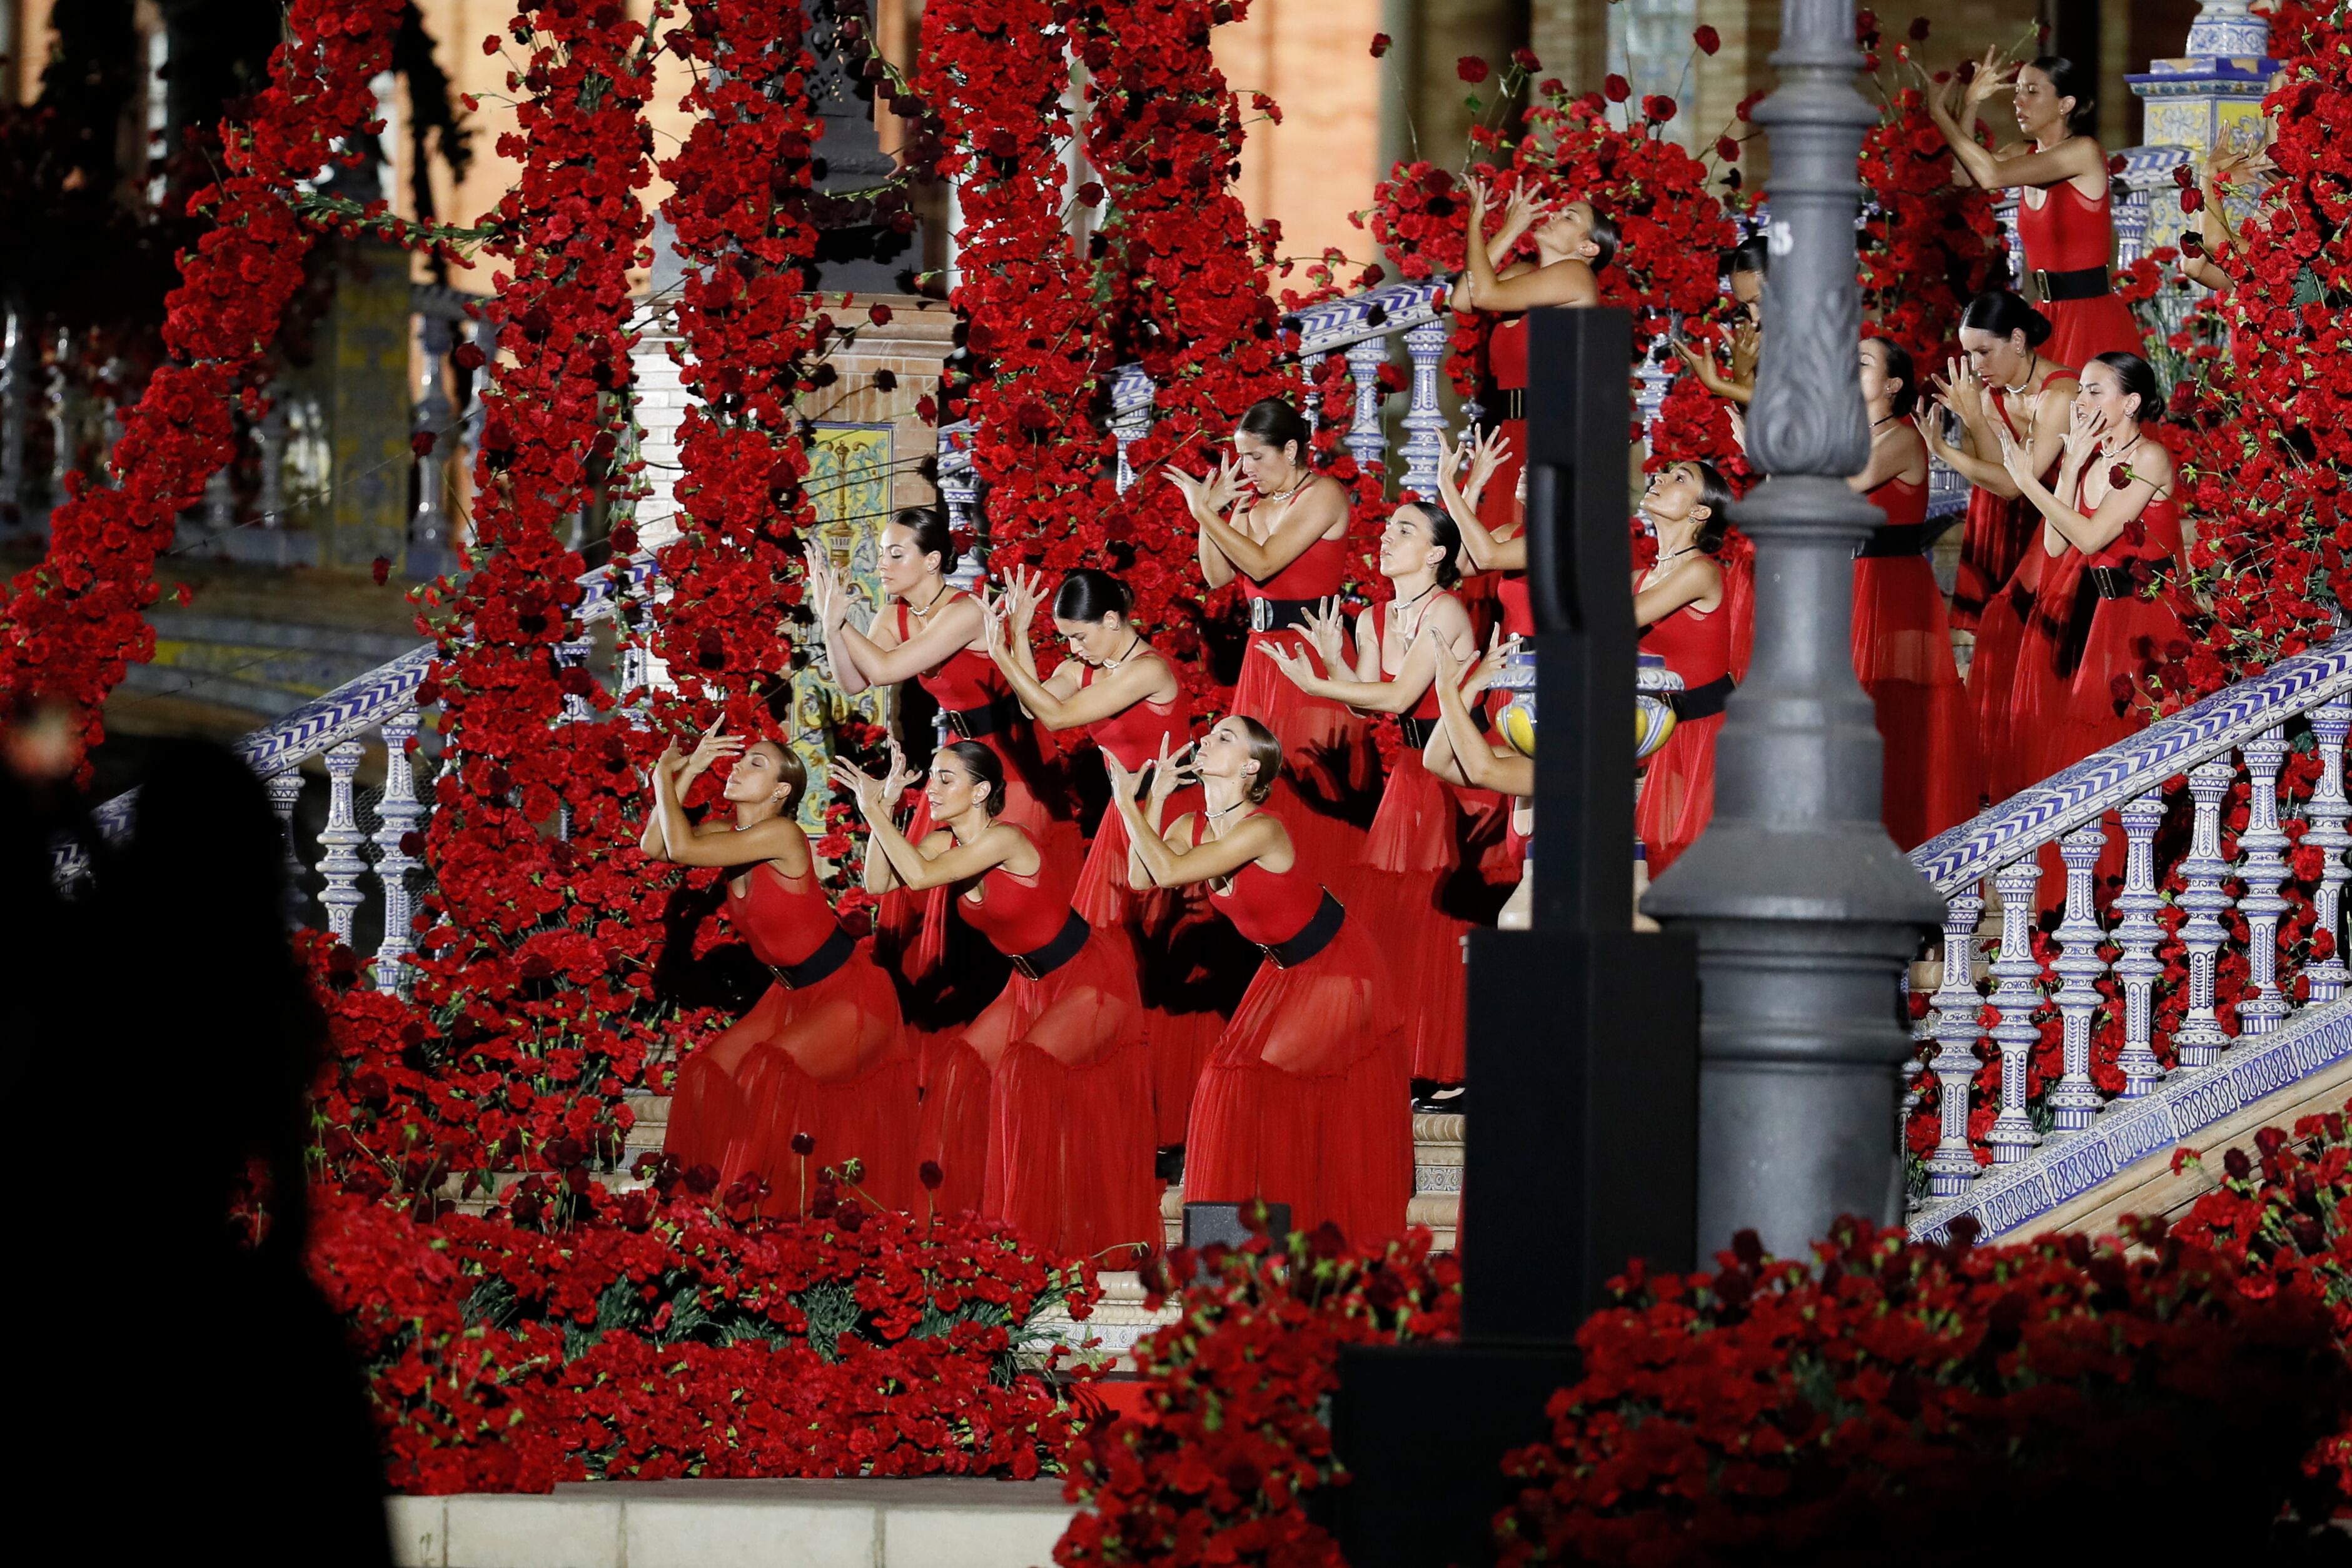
point(1118, 689)
point(1414, 840)
point(822, 1051)
point(1285, 541)
point(1039, 1113)
point(1683, 605)
point(1304, 1101)
point(2065, 209)
point(1572, 244)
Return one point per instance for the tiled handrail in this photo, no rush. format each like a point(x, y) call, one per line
point(2289, 1026)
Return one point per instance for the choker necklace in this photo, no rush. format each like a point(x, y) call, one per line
point(945, 589)
point(1304, 478)
point(2032, 367)
point(1408, 604)
point(1212, 814)
point(1876, 422)
point(1135, 643)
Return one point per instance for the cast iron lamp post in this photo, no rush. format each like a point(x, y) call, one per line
point(1804, 912)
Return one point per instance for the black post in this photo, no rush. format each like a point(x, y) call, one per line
point(1583, 1033)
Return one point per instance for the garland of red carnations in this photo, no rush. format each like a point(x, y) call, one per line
point(74, 623)
point(1034, 345)
point(1184, 269)
point(542, 928)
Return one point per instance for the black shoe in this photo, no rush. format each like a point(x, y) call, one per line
point(1445, 1099)
point(1168, 1164)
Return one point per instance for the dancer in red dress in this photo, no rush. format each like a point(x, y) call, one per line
point(1117, 688)
point(935, 635)
point(1304, 1102)
point(1682, 605)
point(1499, 553)
point(1287, 543)
point(2006, 382)
point(1573, 242)
point(2124, 524)
point(1053, 1079)
point(1572, 245)
point(821, 1053)
point(2064, 204)
point(1902, 641)
point(1413, 842)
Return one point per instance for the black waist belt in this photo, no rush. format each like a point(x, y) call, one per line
point(1417, 731)
point(972, 723)
point(830, 955)
point(2083, 283)
point(1510, 402)
point(2121, 581)
point(1705, 701)
point(1043, 961)
point(1893, 539)
point(1312, 937)
point(1281, 614)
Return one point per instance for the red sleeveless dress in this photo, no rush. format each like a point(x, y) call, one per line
point(2135, 608)
point(1327, 760)
point(913, 926)
point(1506, 363)
point(1414, 845)
point(827, 1058)
point(1677, 798)
point(1305, 1100)
point(1039, 1111)
point(1903, 656)
point(2069, 232)
point(1181, 1025)
point(1993, 539)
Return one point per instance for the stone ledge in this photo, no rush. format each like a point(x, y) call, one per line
point(936, 1521)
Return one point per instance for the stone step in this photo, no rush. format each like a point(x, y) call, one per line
point(931, 1521)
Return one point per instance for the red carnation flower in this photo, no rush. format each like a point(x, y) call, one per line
point(1707, 39)
point(1525, 58)
point(1617, 89)
point(1657, 109)
point(2119, 476)
point(380, 570)
point(1090, 195)
point(1918, 28)
point(467, 357)
point(803, 1144)
point(2190, 201)
point(1470, 68)
point(2181, 175)
point(1727, 149)
point(879, 313)
point(1381, 42)
point(422, 442)
point(929, 1174)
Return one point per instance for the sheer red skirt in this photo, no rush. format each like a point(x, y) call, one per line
point(1057, 1073)
point(1678, 793)
point(1304, 1103)
point(1993, 541)
point(1414, 846)
point(829, 1060)
point(2081, 329)
point(1903, 656)
point(1328, 762)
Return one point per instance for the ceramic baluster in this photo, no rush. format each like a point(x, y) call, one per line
point(2199, 1041)
point(284, 789)
point(2137, 934)
point(2074, 1100)
point(2013, 1136)
point(2131, 214)
point(341, 864)
point(2264, 872)
point(1130, 421)
point(2330, 723)
point(1955, 1004)
point(1424, 420)
point(403, 814)
point(1366, 442)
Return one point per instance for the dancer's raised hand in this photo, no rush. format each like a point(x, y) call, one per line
point(860, 785)
point(1293, 664)
point(2016, 458)
point(1487, 449)
point(1023, 591)
point(1167, 772)
point(1993, 73)
point(2085, 428)
point(899, 777)
point(1327, 633)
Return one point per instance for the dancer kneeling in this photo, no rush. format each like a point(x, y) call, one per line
point(1303, 1102)
point(821, 1053)
point(1045, 1098)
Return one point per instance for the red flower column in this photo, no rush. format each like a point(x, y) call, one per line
point(1186, 274)
point(548, 920)
point(73, 623)
point(994, 71)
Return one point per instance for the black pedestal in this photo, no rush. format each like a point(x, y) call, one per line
point(1423, 1430)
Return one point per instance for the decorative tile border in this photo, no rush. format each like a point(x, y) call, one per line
point(2068, 1165)
point(2084, 792)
